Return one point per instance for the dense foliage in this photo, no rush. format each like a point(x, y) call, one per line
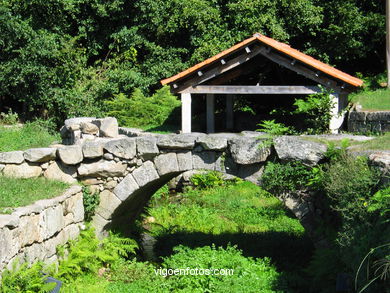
point(62, 58)
point(355, 218)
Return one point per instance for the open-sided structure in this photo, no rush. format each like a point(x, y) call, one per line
point(219, 75)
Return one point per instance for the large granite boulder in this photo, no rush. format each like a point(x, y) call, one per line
point(71, 155)
point(61, 172)
point(249, 150)
point(40, 154)
point(184, 141)
point(108, 127)
point(23, 170)
point(15, 157)
point(213, 142)
point(102, 168)
point(293, 148)
point(124, 148)
point(147, 147)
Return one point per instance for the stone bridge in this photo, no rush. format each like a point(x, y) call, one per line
point(127, 168)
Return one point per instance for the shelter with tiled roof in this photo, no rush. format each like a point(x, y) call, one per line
point(221, 73)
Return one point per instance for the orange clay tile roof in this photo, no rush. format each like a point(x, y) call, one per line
point(281, 47)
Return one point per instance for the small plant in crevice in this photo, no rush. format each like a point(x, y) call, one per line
point(91, 201)
point(272, 129)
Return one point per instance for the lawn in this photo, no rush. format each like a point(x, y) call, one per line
point(30, 135)
point(373, 100)
point(21, 192)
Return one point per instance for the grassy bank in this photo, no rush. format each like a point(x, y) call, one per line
point(378, 100)
point(21, 192)
point(30, 135)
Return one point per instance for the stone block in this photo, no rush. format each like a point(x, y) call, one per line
point(251, 173)
point(292, 148)
point(178, 141)
point(22, 171)
point(15, 157)
point(71, 155)
point(89, 128)
point(61, 172)
point(40, 154)
point(51, 221)
point(126, 187)
point(102, 168)
point(100, 225)
point(74, 206)
point(92, 150)
point(247, 150)
point(109, 202)
point(147, 147)
point(204, 160)
point(108, 127)
point(166, 163)
point(184, 160)
point(145, 174)
point(124, 148)
point(213, 142)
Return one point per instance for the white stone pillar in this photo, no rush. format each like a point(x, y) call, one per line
point(186, 113)
point(229, 112)
point(210, 101)
point(337, 112)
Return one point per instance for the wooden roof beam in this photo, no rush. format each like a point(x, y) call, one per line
point(253, 90)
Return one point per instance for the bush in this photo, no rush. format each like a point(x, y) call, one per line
point(90, 201)
point(142, 111)
point(291, 177)
point(9, 118)
point(211, 179)
point(316, 109)
point(249, 275)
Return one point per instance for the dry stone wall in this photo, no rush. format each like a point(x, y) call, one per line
point(364, 121)
point(33, 232)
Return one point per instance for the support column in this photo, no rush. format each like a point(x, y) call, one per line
point(229, 112)
point(337, 112)
point(186, 113)
point(210, 101)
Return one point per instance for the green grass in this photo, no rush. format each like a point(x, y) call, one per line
point(31, 135)
point(373, 100)
point(380, 142)
point(21, 192)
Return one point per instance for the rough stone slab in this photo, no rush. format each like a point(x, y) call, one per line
point(124, 148)
point(145, 173)
point(71, 155)
point(22, 171)
point(299, 208)
point(166, 163)
point(126, 187)
point(102, 168)
point(77, 121)
point(212, 142)
point(293, 148)
point(89, 128)
point(381, 160)
point(6, 247)
point(108, 127)
point(251, 173)
point(184, 160)
point(204, 160)
point(40, 154)
point(357, 116)
point(74, 205)
point(92, 150)
point(10, 221)
point(15, 157)
point(178, 141)
point(61, 172)
point(51, 221)
point(108, 204)
point(2, 167)
point(29, 230)
point(100, 224)
point(147, 147)
point(247, 150)
point(378, 116)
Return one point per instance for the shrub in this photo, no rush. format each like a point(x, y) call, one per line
point(249, 275)
point(9, 118)
point(273, 128)
point(316, 108)
point(290, 177)
point(142, 111)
